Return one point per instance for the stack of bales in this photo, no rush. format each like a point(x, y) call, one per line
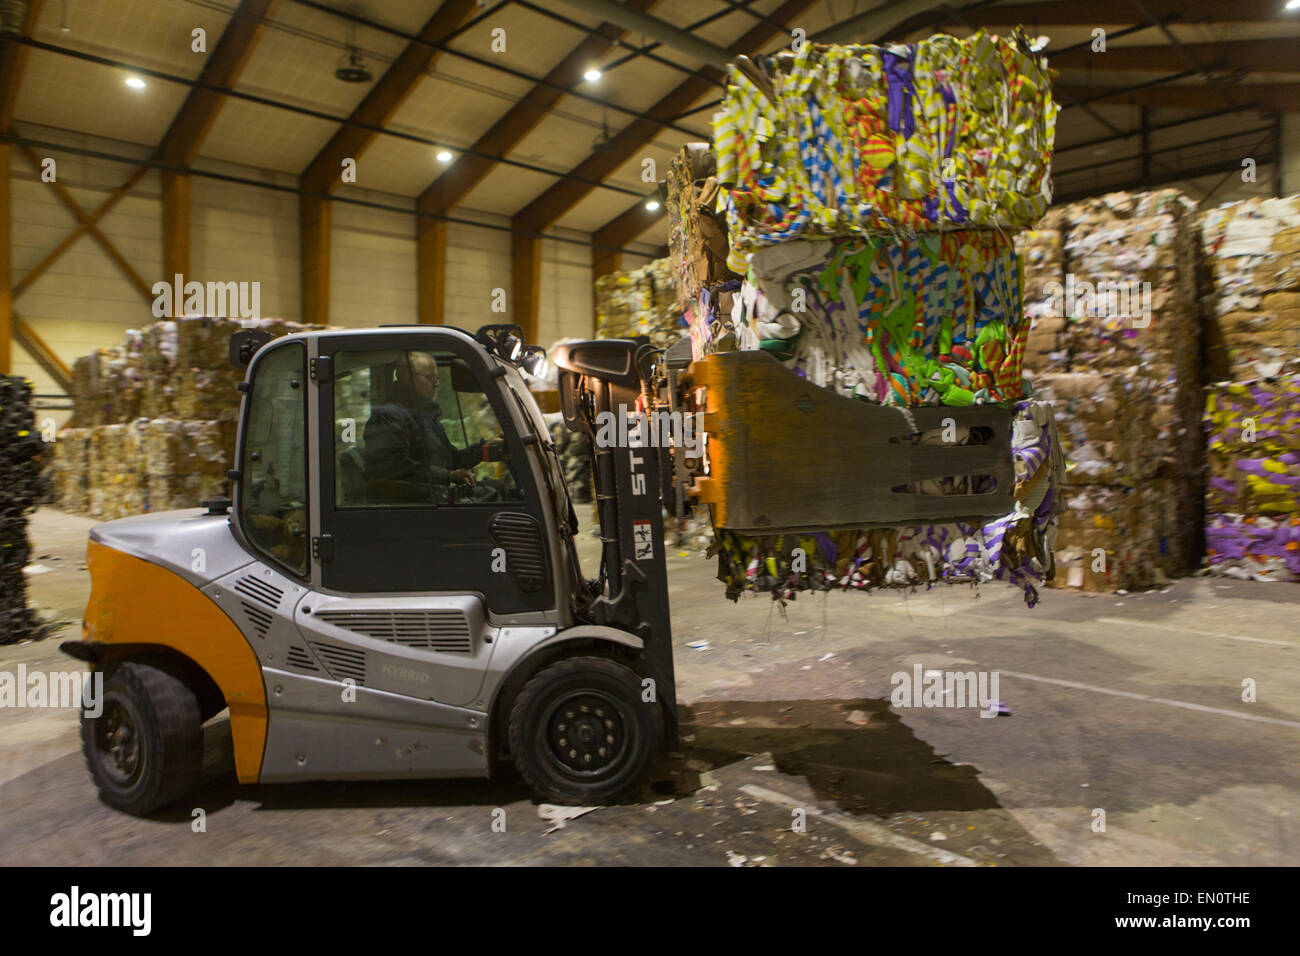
point(1116, 346)
point(154, 420)
point(639, 302)
point(869, 194)
point(1252, 418)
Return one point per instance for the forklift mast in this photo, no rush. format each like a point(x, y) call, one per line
point(607, 380)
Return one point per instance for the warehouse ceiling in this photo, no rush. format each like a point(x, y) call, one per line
point(530, 138)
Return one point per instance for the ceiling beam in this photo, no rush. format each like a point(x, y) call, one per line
point(1105, 12)
point(880, 21)
point(1276, 55)
point(450, 188)
point(384, 98)
point(614, 11)
point(323, 174)
point(190, 126)
point(1267, 97)
point(196, 116)
point(13, 57)
point(563, 196)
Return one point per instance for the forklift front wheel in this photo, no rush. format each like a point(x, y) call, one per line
point(581, 734)
point(145, 746)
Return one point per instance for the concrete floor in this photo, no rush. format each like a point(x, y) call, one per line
point(1129, 704)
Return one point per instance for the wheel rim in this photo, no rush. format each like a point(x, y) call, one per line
point(587, 734)
point(117, 737)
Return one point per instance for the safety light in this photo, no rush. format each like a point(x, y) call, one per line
point(534, 361)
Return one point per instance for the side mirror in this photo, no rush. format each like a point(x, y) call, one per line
point(244, 345)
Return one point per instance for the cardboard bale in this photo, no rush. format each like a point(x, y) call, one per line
point(70, 471)
point(639, 302)
point(178, 492)
point(1251, 254)
point(116, 471)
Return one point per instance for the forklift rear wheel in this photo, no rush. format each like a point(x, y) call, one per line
point(581, 734)
point(145, 748)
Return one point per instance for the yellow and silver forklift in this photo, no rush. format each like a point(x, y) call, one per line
point(393, 589)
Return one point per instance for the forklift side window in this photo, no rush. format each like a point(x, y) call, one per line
point(414, 428)
point(273, 497)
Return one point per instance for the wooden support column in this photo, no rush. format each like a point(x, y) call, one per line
point(314, 238)
point(6, 273)
point(430, 269)
point(176, 225)
point(525, 272)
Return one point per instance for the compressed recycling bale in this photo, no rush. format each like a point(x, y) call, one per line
point(177, 492)
point(183, 448)
point(1253, 489)
point(926, 320)
point(1252, 263)
point(640, 302)
point(843, 140)
point(71, 470)
point(116, 471)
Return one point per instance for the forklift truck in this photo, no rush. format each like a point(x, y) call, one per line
point(393, 590)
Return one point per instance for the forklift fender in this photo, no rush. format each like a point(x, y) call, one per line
point(136, 602)
point(598, 632)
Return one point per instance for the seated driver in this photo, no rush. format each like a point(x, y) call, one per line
point(408, 456)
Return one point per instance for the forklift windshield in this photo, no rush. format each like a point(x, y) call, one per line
point(415, 428)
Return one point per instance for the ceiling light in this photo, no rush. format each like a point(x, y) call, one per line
point(1292, 5)
point(592, 75)
point(135, 82)
point(652, 204)
point(444, 156)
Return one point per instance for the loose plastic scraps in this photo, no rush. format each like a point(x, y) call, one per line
point(1016, 547)
point(928, 320)
point(946, 133)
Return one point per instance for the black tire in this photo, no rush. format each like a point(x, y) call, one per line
point(145, 749)
point(585, 770)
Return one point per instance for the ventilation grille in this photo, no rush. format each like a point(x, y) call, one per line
point(521, 538)
point(260, 591)
point(445, 630)
point(258, 617)
point(299, 658)
point(342, 662)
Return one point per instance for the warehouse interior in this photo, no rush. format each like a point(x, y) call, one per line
point(340, 165)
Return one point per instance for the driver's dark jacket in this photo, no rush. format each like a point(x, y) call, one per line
point(408, 456)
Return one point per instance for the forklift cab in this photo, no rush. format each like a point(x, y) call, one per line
point(392, 592)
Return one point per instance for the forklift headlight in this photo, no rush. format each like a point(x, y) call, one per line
point(511, 346)
point(534, 361)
